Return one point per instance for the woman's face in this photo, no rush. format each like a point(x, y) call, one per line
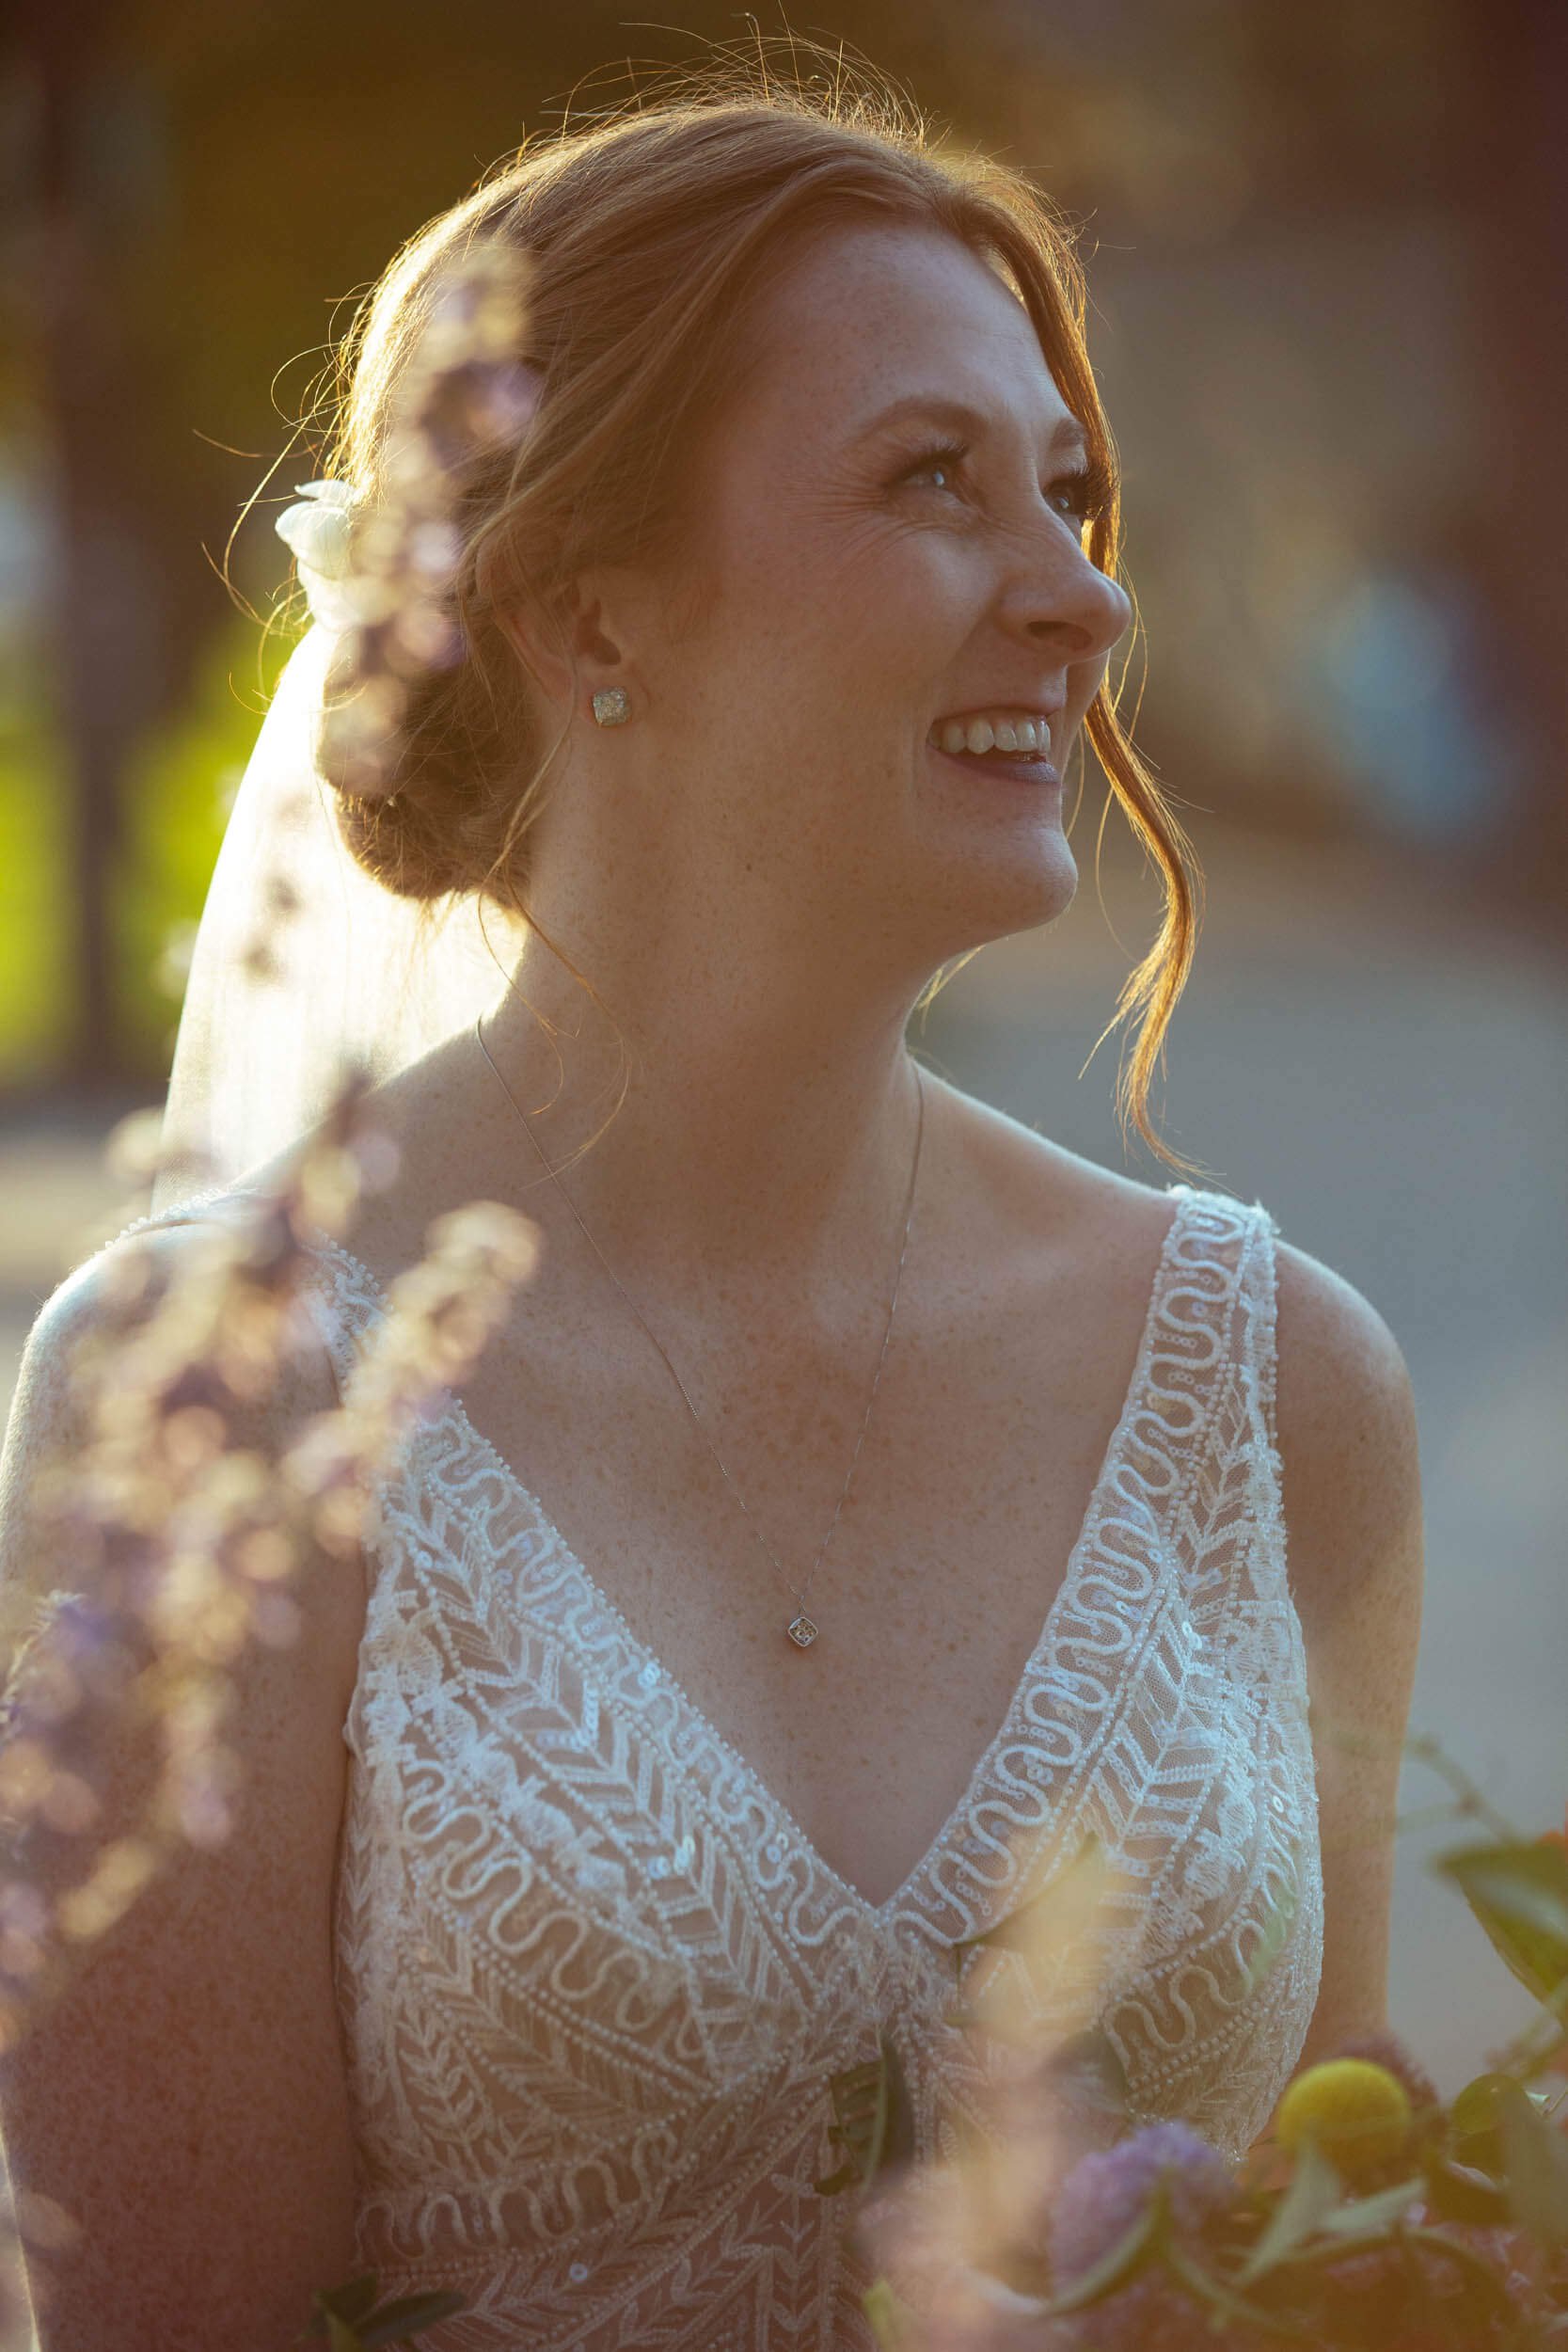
point(858, 577)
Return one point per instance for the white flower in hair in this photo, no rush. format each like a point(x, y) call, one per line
point(317, 534)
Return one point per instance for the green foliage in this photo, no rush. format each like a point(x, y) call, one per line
point(178, 790)
point(1536, 2157)
point(1519, 1894)
point(1461, 2191)
point(891, 2322)
point(175, 798)
point(348, 2317)
point(1313, 2191)
point(874, 2120)
point(37, 940)
point(1275, 2266)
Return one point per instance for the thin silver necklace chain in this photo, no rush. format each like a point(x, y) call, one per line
point(801, 1629)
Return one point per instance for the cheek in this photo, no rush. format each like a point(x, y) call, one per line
point(841, 566)
point(831, 662)
point(828, 619)
point(883, 632)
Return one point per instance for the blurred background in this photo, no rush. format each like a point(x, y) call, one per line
point(1328, 251)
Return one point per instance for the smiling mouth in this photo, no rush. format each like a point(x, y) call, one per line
point(998, 767)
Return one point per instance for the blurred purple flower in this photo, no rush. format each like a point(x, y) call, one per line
point(1098, 2202)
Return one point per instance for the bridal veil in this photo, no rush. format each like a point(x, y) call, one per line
point(304, 966)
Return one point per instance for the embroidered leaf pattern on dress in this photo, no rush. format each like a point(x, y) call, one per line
point(594, 1979)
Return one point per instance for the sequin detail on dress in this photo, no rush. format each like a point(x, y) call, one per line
point(592, 1977)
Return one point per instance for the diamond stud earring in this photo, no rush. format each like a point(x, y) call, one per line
point(612, 707)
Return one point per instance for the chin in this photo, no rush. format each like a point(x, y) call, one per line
point(996, 889)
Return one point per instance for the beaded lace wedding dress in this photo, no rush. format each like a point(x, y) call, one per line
point(592, 1977)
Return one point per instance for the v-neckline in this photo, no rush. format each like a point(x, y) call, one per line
point(874, 1914)
point(642, 1653)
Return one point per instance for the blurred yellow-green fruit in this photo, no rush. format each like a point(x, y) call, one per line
point(1357, 2112)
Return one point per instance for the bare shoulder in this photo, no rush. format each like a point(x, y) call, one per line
point(1346, 1414)
point(106, 1300)
point(1347, 1437)
point(1334, 1325)
point(101, 1303)
point(97, 1309)
point(181, 2093)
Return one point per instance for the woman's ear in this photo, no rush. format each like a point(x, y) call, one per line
point(542, 641)
point(567, 648)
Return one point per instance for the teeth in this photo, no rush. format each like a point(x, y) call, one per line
point(984, 734)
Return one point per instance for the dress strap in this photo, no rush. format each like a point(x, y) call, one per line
point(1260, 1293)
point(1220, 1365)
point(1200, 1333)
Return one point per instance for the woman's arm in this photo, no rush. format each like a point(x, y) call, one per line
point(1346, 1419)
point(185, 2098)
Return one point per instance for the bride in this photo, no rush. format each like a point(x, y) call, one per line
point(863, 1491)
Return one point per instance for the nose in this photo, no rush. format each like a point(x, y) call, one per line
point(1059, 599)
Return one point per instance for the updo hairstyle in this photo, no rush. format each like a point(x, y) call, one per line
point(634, 248)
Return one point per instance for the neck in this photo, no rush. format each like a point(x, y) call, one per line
point(755, 1153)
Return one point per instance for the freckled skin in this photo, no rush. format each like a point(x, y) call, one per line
point(857, 610)
point(764, 868)
point(759, 874)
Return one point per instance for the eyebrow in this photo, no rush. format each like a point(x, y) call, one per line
point(1067, 433)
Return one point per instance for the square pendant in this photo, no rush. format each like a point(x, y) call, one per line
point(801, 1631)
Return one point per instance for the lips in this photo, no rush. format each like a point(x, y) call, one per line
point(1002, 767)
point(1025, 764)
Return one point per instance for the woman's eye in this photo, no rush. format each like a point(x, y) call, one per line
point(1074, 488)
point(1085, 489)
point(946, 458)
